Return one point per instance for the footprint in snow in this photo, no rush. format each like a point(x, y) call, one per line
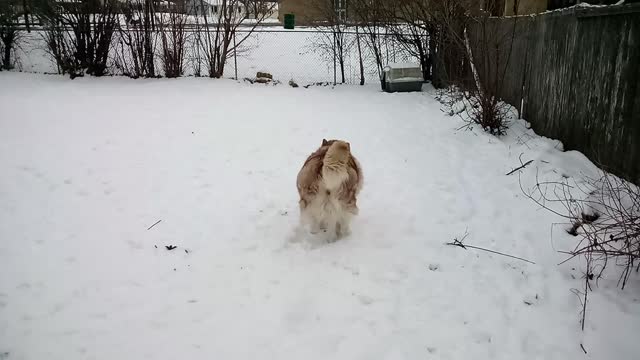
point(365, 300)
point(531, 300)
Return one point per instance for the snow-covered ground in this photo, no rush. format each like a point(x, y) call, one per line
point(89, 165)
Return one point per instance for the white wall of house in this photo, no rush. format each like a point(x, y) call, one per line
point(213, 9)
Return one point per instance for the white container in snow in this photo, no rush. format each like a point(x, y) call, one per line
point(402, 77)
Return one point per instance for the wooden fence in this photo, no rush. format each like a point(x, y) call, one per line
point(575, 76)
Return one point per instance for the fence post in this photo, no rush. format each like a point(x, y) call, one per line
point(334, 58)
point(235, 55)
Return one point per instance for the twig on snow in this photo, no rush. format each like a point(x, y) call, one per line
point(522, 166)
point(459, 243)
point(156, 223)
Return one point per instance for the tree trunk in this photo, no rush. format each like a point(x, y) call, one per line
point(424, 61)
point(26, 15)
point(149, 27)
point(340, 49)
point(360, 57)
point(476, 77)
point(6, 62)
point(433, 59)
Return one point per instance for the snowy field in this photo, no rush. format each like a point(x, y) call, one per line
point(89, 165)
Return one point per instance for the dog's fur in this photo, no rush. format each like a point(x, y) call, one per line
point(328, 184)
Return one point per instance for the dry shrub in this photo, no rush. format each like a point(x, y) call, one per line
point(136, 43)
point(173, 37)
point(604, 215)
point(78, 34)
point(9, 34)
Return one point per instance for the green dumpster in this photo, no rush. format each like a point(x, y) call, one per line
point(289, 21)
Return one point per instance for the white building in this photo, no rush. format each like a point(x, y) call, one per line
point(239, 8)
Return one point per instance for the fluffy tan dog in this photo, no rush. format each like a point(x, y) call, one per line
point(328, 185)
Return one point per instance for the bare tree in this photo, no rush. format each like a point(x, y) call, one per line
point(333, 30)
point(25, 11)
point(79, 34)
point(9, 33)
point(412, 25)
point(258, 9)
point(136, 45)
point(173, 36)
point(444, 21)
point(481, 44)
point(370, 16)
point(360, 62)
point(221, 38)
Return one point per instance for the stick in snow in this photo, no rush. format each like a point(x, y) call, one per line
point(459, 243)
point(521, 167)
point(156, 223)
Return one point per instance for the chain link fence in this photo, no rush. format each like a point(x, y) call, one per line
point(313, 55)
point(304, 55)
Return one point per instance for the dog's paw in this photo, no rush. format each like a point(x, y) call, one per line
point(342, 230)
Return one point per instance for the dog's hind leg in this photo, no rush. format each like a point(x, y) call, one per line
point(343, 227)
point(314, 227)
point(312, 215)
point(307, 218)
point(322, 225)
